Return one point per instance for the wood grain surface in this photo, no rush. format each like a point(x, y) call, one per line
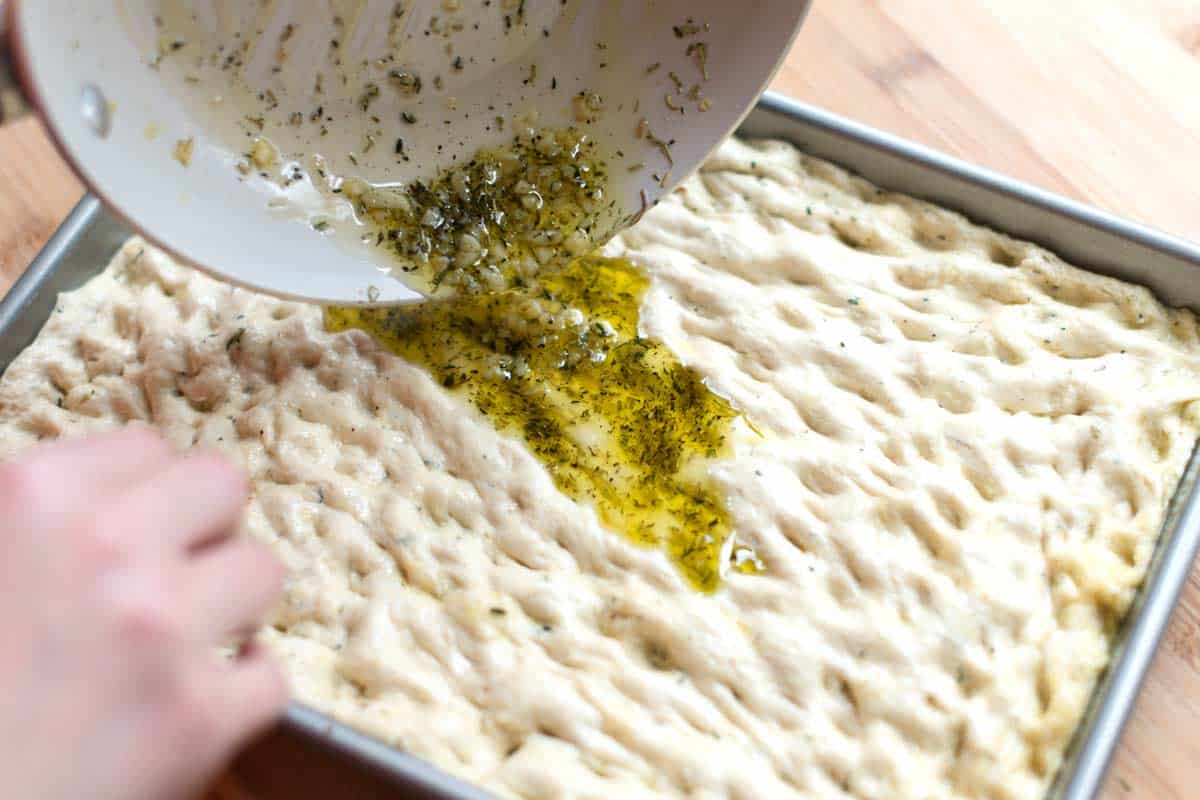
point(1095, 99)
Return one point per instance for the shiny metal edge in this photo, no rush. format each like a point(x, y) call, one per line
point(393, 769)
point(89, 238)
point(82, 245)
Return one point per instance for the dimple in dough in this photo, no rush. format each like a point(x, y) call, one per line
point(968, 447)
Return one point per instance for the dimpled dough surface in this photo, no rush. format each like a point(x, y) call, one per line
point(967, 450)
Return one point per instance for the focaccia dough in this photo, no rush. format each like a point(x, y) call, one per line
point(967, 450)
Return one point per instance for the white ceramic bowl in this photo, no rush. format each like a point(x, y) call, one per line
point(122, 95)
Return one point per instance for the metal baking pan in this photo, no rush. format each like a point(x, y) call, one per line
point(309, 755)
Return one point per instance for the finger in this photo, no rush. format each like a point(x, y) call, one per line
point(107, 461)
point(254, 693)
point(230, 587)
point(67, 477)
point(188, 502)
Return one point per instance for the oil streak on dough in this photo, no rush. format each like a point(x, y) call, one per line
point(615, 417)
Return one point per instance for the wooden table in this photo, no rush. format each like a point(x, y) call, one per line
point(1096, 99)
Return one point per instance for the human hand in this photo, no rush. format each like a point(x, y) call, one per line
point(120, 577)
